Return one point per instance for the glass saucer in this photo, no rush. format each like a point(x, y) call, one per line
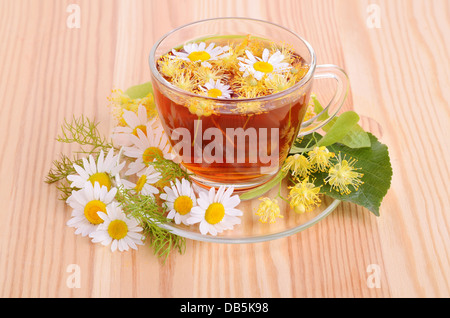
point(251, 230)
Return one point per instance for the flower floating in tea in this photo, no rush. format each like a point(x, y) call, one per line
point(194, 52)
point(247, 68)
point(216, 89)
point(266, 65)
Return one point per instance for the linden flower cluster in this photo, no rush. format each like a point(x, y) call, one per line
point(119, 101)
point(304, 195)
point(142, 142)
point(249, 69)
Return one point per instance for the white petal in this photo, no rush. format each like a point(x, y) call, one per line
point(265, 55)
point(232, 202)
point(130, 118)
point(92, 165)
point(81, 171)
point(204, 228)
point(100, 160)
point(219, 194)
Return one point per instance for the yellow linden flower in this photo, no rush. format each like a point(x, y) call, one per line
point(119, 101)
point(304, 196)
point(286, 50)
point(343, 174)
point(248, 87)
point(278, 83)
point(149, 103)
point(201, 106)
point(206, 74)
point(169, 66)
point(299, 71)
point(256, 46)
point(118, 97)
point(228, 61)
point(184, 81)
point(298, 164)
point(268, 210)
point(248, 108)
point(319, 158)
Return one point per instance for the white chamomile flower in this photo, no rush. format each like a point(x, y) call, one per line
point(217, 89)
point(146, 148)
point(198, 52)
point(103, 171)
point(86, 204)
point(118, 230)
point(179, 199)
point(265, 65)
point(216, 211)
point(121, 134)
point(145, 184)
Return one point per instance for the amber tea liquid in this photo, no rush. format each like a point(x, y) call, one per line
point(241, 160)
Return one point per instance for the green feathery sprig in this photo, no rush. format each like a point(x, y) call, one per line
point(150, 214)
point(84, 132)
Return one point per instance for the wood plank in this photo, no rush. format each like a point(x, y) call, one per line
point(399, 84)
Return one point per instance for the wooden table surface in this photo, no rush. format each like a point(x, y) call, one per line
point(399, 77)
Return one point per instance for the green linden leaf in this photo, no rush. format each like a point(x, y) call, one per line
point(139, 91)
point(375, 165)
point(356, 138)
point(341, 127)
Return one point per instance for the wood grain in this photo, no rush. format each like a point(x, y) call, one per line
point(399, 84)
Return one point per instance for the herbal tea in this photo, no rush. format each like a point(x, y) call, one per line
point(228, 119)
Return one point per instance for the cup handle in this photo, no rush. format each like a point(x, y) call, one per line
point(333, 107)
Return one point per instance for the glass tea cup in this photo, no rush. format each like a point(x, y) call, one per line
point(240, 142)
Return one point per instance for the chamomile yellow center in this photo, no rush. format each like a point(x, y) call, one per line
point(150, 154)
point(214, 213)
point(91, 210)
point(143, 128)
point(183, 204)
point(140, 183)
point(117, 229)
point(199, 56)
point(214, 93)
point(264, 67)
point(102, 178)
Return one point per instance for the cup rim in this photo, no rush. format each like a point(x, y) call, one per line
point(308, 76)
